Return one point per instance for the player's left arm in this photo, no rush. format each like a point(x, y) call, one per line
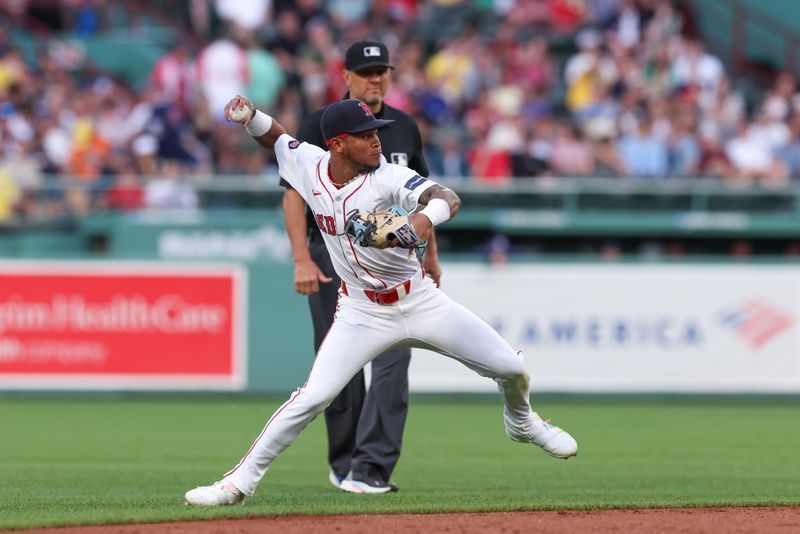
point(441, 204)
point(430, 261)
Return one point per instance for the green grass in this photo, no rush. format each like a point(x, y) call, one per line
point(104, 460)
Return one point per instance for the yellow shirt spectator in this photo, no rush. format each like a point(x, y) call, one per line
point(449, 69)
point(9, 195)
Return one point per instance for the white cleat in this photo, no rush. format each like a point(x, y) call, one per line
point(334, 479)
point(555, 441)
point(218, 494)
point(367, 486)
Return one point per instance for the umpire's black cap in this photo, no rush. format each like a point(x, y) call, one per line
point(365, 54)
point(348, 117)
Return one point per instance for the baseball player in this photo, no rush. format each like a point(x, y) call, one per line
point(359, 201)
point(365, 428)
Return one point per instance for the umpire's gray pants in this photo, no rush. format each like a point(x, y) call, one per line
point(365, 428)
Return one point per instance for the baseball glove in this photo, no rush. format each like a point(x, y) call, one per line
point(379, 229)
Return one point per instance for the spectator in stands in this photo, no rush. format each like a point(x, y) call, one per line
point(435, 108)
point(658, 77)
point(305, 9)
point(531, 66)
point(534, 159)
point(174, 75)
point(446, 157)
point(286, 39)
point(266, 78)
point(169, 189)
point(13, 72)
point(600, 118)
point(566, 15)
point(89, 149)
point(452, 69)
point(777, 101)
point(571, 155)
point(536, 104)
point(409, 77)
point(714, 161)
point(627, 24)
point(174, 129)
point(346, 13)
point(753, 158)
point(789, 154)
point(662, 28)
point(643, 153)
point(10, 195)
point(247, 14)
point(729, 108)
point(684, 147)
point(489, 164)
point(126, 194)
point(589, 72)
point(535, 15)
point(493, 74)
point(662, 114)
point(145, 152)
point(608, 161)
point(696, 68)
point(320, 65)
point(770, 129)
point(222, 68)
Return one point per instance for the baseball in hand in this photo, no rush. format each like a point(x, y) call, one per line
point(240, 114)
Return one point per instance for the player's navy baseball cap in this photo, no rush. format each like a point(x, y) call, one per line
point(348, 117)
point(365, 54)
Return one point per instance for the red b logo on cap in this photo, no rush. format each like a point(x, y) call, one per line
point(366, 109)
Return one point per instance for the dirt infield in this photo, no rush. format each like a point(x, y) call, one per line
point(694, 520)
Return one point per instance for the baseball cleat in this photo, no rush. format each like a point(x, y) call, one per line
point(218, 494)
point(335, 479)
point(367, 486)
point(555, 441)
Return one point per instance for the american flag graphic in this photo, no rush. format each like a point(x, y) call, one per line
point(756, 321)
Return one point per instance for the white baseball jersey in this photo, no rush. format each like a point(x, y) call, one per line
point(305, 167)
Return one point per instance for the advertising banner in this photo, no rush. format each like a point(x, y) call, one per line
point(122, 325)
point(632, 328)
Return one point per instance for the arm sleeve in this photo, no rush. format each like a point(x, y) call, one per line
point(408, 186)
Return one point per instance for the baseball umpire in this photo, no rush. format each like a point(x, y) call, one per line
point(365, 428)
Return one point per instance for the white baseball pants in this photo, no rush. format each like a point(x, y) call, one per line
point(425, 318)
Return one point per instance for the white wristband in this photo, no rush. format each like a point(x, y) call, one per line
point(259, 125)
point(437, 210)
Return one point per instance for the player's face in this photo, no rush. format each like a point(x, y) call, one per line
point(363, 149)
point(368, 85)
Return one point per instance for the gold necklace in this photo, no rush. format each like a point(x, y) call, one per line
point(330, 176)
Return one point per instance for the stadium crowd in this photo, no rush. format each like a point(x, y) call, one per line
point(500, 88)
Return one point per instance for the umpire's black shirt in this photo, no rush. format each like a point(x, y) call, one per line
point(401, 143)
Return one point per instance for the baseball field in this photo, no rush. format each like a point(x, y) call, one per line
point(120, 460)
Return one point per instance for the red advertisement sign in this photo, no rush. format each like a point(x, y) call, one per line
point(121, 326)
